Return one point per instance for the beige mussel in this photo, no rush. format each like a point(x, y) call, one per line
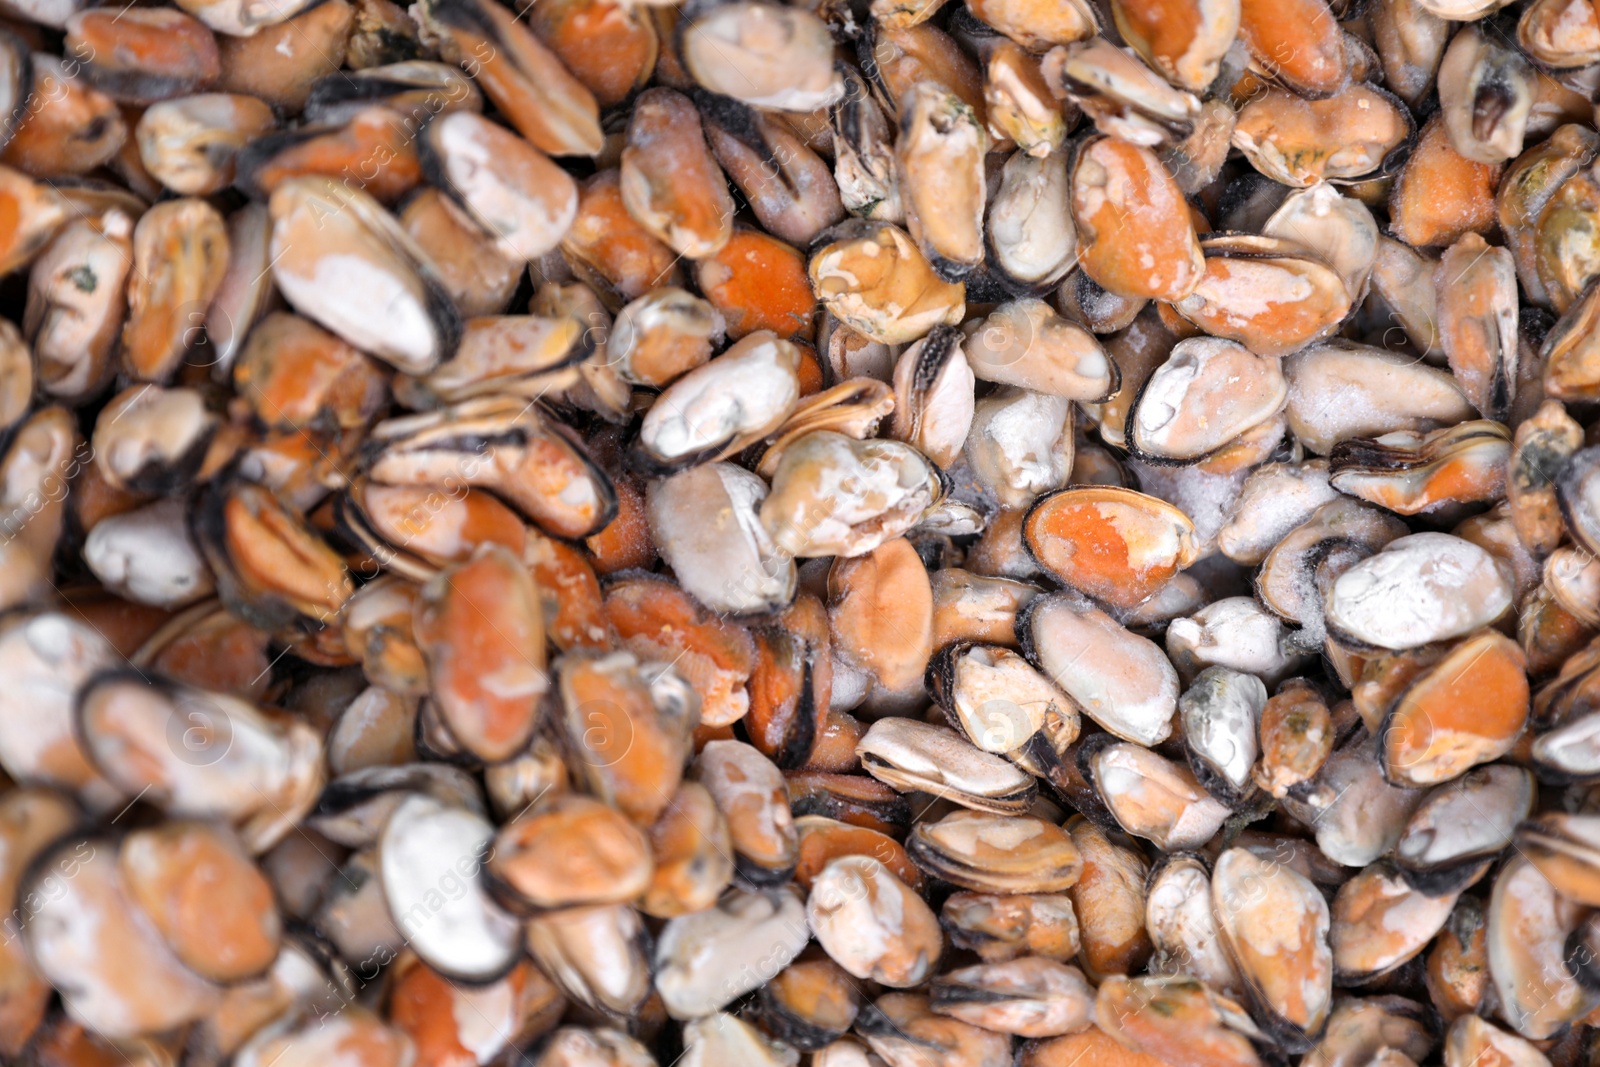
point(1529, 923)
point(1346, 137)
point(902, 1029)
point(1379, 922)
point(147, 555)
point(1378, 392)
point(996, 698)
point(1113, 544)
point(1563, 243)
point(766, 55)
point(1028, 997)
point(1276, 498)
point(1471, 1039)
point(1339, 229)
point(750, 790)
point(1032, 242)
point(1275, 924)
point(706, 960)
point(1119, 679)
point(875, 279)
point(724, 405)
point(834, 495)
point(1134, 228)
point(913, 756)
point(790, 188)
point(706, 525)
point(939, 160)
point(1412, 473)
point(1208, 392)
point(991, 853)
point(1019, 102)
point(872, 924)
point(1570, 356)
point(933, 405)
point(225, 758)
point(508, 187)
point(1486, 92)
point(1421, 588)
point(1024, 343)
point(1021, 444)
point(1526, 188)
point(336, 253)
point(1477, 287)
point(1458, 831)
point(1121, 95)
point(1358, 815)
point(1151, 797)
point(663, 335)
point(1005, 926)
point(863, 163)
point(189, 144)
point(1266, 293)
point(1220, 712)
point(1236, 633)
point(1182, 926)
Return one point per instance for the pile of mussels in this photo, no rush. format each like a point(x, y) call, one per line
point(866, 533)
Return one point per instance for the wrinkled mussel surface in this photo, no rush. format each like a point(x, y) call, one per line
point(827, 533)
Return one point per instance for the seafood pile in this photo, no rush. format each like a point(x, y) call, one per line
point(854, 533)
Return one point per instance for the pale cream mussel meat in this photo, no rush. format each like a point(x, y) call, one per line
point(1275, 925)
point(1417, 589)
point(856, 407)
point(1463, 826)
point(765, 55)
point(834, 495)
point(1572, 581)
point(599, 956)
point(244, 295)
point(1005, 926)
point(1182, 925)
point(1487, 90)
point(1570, 752)
point(1029, 997)
point(1356, 134)
point(1220, 713)
point(933, 389)
point(1357, 815)
point(874, 278)
point(148, 556)
point(1339, 229)
point(872, 924)
point(1025, 343)
point(939, 160)
point(1526, 188)
point(1477, 303)
point(508, 187)
point(1021, 444)
point(428, 846)
point(76, 301)
point(1405, 278)
point(1122, 96)
point(727, 1039)
point(1570, 357)
point(1565, 848)
point(663, 335)
point(1150, 796)
point(1529, 924)
point(913, 756)
point(1208, 393)
point(1472, 1039)
point(337, 253)
point(706, 960)
point(1235, 633)
point(1120, 680)
point(1084, 301)
point(46, 656)
point(903, 1031)
point(1413, 473)
point(750, 791)
point(531, 355)
point(189, 144)
point(573, 1046)
point(706, 523)
point(1378, 392)
point(996, 698)
point(1380, 921)
point(151, 439)
point(1275, 498)
point(225, 757)
point(991, 853)
point(724, 405)
point(506, 445)
point(1267, 293)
